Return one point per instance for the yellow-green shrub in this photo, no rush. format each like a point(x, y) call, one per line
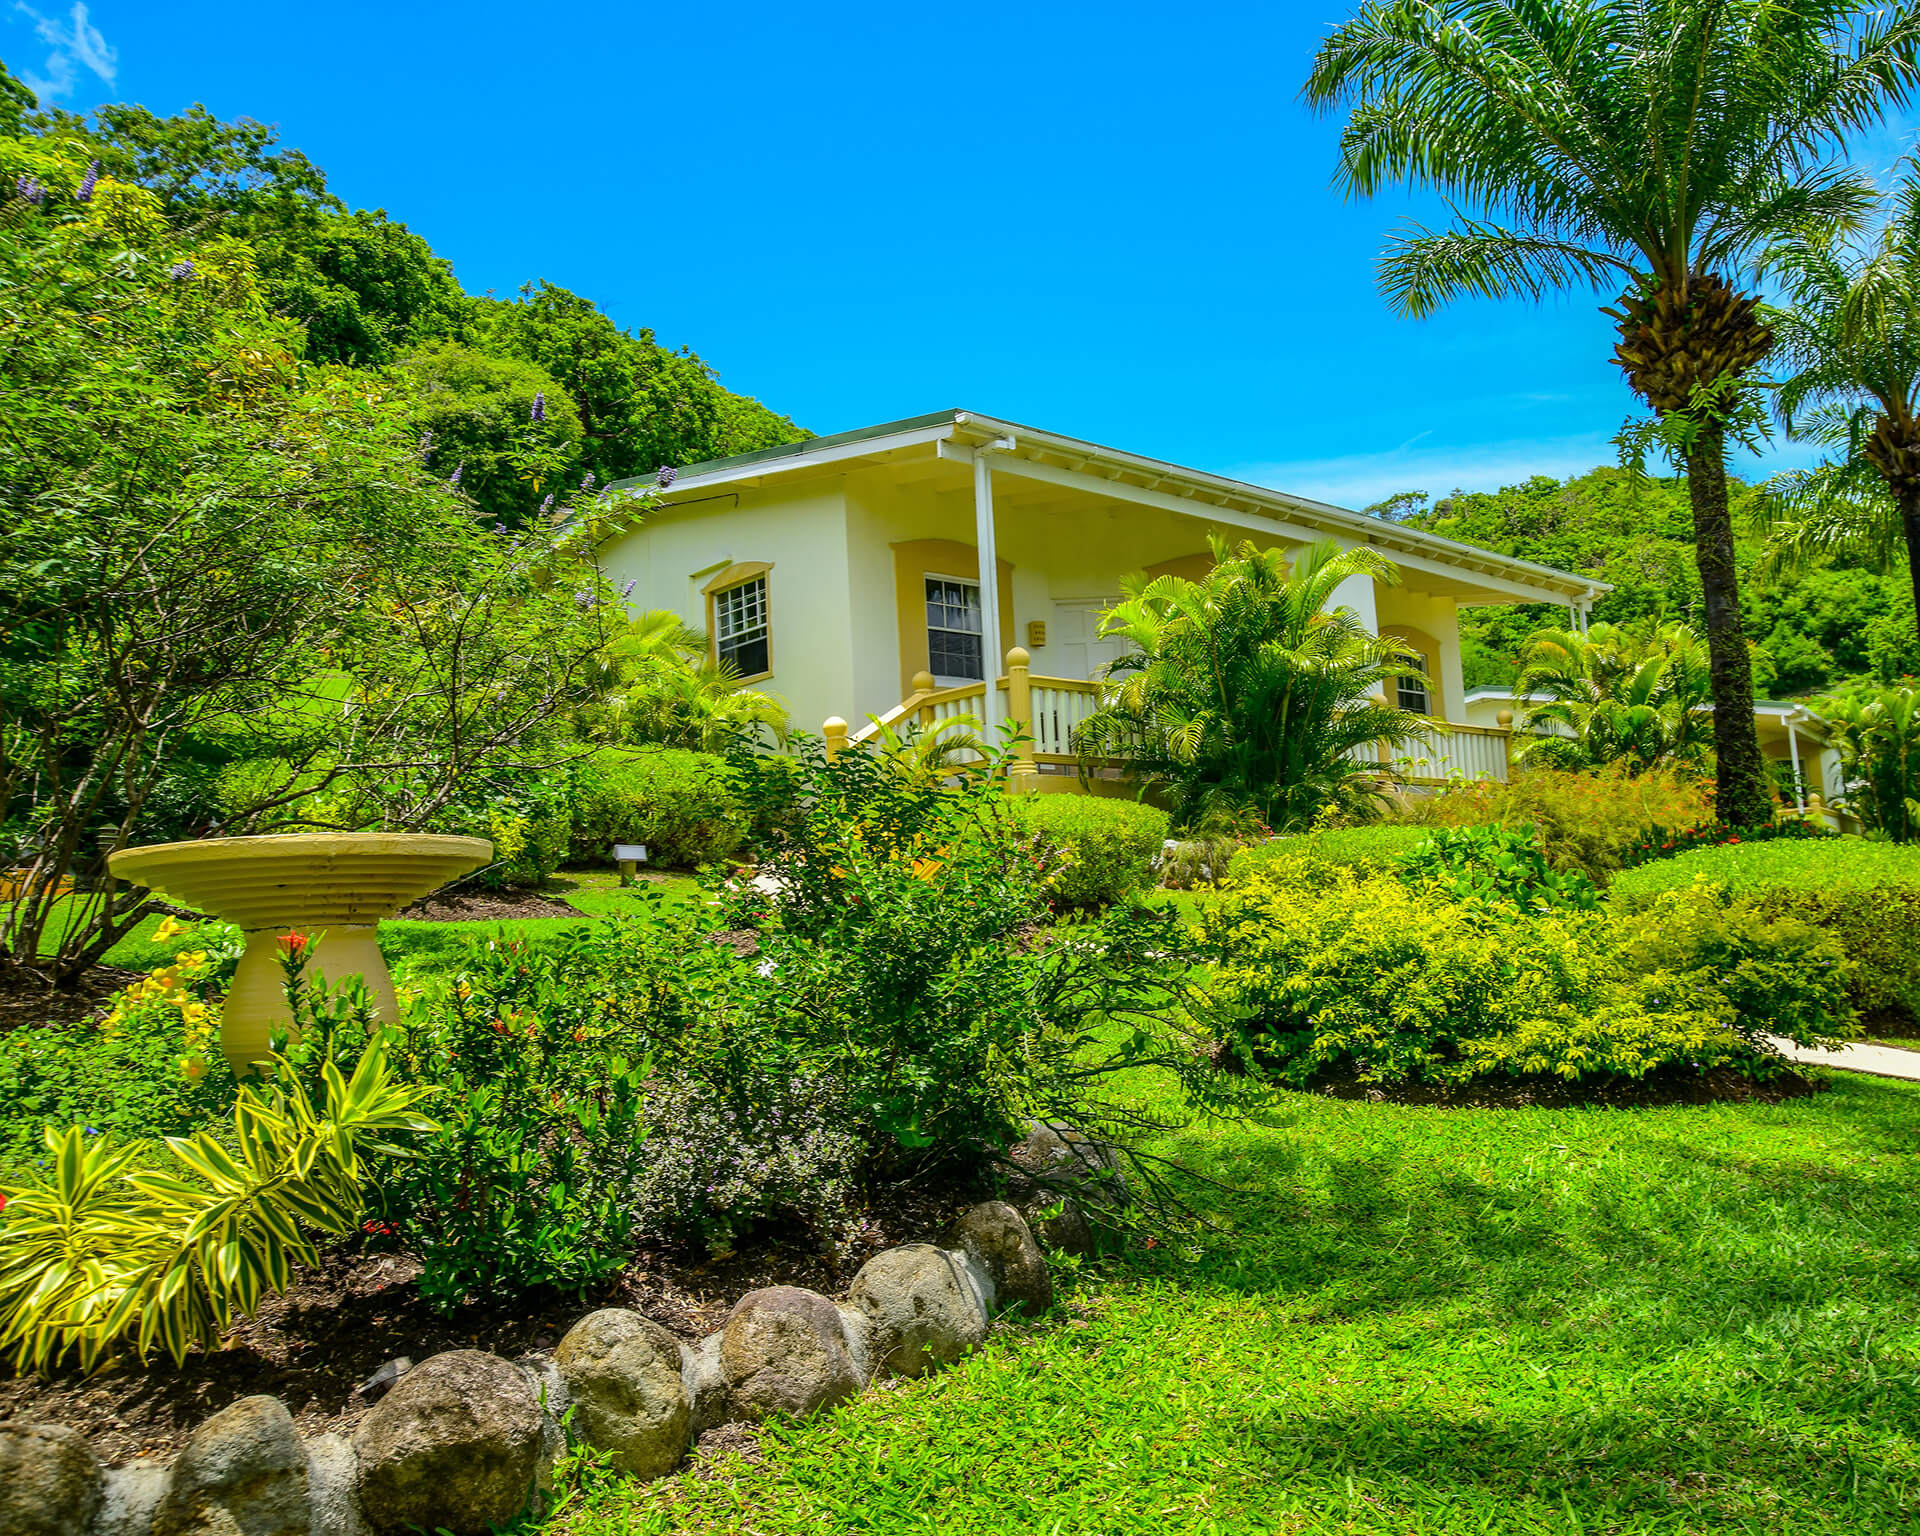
point(1336, 969)
point(1586, 820)
point(683, 806)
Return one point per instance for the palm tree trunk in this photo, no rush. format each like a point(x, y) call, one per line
point(1741, 797)
point(1909, 500)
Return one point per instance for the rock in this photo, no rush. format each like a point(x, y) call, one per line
point(332, 1471)
point(926, 1306)
point(857, 1328)
point(1054, 1158)
point(998, 1236)
point(1066, 1230)
point(381, 1381)
point(133, 1494)
point(242, 1473)
point(784, 1350)
point(51, 1483)
point(623, 1375)
point(705, 1383)
point(455, 1444)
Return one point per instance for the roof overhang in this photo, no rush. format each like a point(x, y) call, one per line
point(1074, 464)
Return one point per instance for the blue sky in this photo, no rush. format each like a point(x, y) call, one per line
point(1114, 221)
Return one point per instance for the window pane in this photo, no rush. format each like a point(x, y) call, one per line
point(1413, 695)
point(740, 626)
point(749, 657)
point(953, 628)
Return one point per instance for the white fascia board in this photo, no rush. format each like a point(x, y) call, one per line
point(838, 453)
point(1527, 580)
point(1201, 510)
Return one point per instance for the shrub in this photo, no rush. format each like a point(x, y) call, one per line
point(529, 824)
point(1374, 848)
point(139, 1074)
point(527, 1179)
point(98, 1254)
point(1333, 970)
point(1586, 820)
point(1660, 843)
point(1500, 864)
point(684, 806)
point(1105, 848)
point(1867, 895)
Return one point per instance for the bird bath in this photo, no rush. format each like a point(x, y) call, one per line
point(333, 887)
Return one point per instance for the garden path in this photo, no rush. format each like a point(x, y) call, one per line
point(1880, 1060)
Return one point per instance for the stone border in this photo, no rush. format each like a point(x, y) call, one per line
point(464, 1441)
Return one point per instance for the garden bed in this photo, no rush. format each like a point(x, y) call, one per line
point(25, 1001)
point(1665, 1085)
point(485, 907)
point(315, 1344)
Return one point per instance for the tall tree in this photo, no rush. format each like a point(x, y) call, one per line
point(1657, 144)
point(1850, 333)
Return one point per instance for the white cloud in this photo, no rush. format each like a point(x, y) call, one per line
point(72, 45)
point(1359, 479)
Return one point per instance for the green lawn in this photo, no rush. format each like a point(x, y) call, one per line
point(1428, 1320)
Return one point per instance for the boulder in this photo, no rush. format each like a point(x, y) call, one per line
point(332, 1471)
point(133, 1493)
point(241, 1473)
point(783, 1350)
point(456, 1445)
point(623, 1376)
point(1059, 1223)
point(705, 1382)
point(51, 1483)
point(928, 1307)
point(998, 1236)
point(1054, 1158)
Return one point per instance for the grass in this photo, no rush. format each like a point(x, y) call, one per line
point(1420, 1320)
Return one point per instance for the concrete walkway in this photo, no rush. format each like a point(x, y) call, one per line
point(1880, 1060)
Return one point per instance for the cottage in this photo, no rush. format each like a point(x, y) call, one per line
point(844, 574)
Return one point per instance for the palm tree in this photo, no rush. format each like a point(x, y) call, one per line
point(656, 683)
point(1851, 335)
point(1615, 694)
point(1877, 734)
point(1244, 691)
point(1656, 144)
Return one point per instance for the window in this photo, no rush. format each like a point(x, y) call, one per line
point(1414, 695)
point(953, 628)
point(740, 627)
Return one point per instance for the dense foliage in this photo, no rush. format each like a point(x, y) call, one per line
point(684, 807)
point(1104, 850)
point(1627, 694)
point(1245, 692)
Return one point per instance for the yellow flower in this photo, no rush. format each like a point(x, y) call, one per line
point(170, 928)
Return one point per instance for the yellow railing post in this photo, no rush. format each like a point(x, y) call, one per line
point(923, 683)
point(1020, 709)
point(835, 731)
point(1505, 717)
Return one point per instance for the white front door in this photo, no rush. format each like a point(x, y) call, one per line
point(1083, 654)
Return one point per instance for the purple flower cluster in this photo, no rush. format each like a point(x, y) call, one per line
point(583, 599)
point(453, 480)
point(30, 189)
point(587, 484)
point(88, 183)
point(180, 271)
point(627, 590)
point(540, 406)
point(547, 505)
point(665, 476)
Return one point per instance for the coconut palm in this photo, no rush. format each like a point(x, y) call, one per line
point(1616, 694)
point(1653, 144)
point(1244, 691)
point(1850, 333)
point(656, 683)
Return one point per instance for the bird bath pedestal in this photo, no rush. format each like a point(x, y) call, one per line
point(333, 887)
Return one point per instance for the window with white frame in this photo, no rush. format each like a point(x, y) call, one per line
point(1414, 693)
point(954, 650)
point(740, 627)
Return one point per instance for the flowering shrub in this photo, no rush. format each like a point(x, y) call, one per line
point(1661, 843)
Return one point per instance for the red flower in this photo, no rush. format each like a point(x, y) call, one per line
point(294, 944)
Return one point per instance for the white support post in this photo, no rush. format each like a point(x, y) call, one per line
point(1799, 785)
point(990, 656)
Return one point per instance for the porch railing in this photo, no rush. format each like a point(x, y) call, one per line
point(1049, 711)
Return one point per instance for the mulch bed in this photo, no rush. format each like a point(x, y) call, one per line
point(1666, 1085)
point(313, 1345)
point(485, 907)
point(25, 1001)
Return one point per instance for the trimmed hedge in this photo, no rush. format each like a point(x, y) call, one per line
point(1110, 845)
point(1375, 849)
point(1867, 895)
point(683, 805)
